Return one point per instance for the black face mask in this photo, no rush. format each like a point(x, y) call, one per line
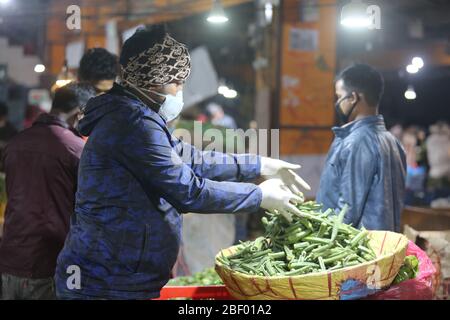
point(344, 118)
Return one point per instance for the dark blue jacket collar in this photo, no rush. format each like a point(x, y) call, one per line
point(127, 92)
point(345, 130)
point(112, 100)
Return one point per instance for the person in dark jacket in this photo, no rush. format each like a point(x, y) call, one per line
point(7, 130)
point(135, 179)
point(366, 164)
point(41, 166)
point(100, 68)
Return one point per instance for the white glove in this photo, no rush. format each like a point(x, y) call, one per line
point(274, 168)
point(276, 196)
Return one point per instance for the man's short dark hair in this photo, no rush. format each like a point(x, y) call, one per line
point(98, 64)
point(362, 78)
point(71, 96)
point(3, 110)
point(143, 39)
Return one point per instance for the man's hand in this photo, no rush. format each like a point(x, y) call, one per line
point(274, 168)
point(277, 198)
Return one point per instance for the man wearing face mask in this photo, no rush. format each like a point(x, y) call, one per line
point(41, 165)
point(135, 179)
point(365, 167)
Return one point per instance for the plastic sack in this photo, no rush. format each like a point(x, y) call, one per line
point(419, 288)
point(436, 244)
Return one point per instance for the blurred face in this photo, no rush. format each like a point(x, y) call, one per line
point(103, 86)
point(71, 117)
point(346, 101)
point(421, 135)
point(219, 114)
point(171, 88)
point(73, 120)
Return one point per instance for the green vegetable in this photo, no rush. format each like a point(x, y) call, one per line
point(408, 270)
point(318, 240)
point(289, 254)
point(277, 255)
point(301, 245)
point(322, 230)
point(204, 278)
point(355, 241)
point(314, 241)
point(322, 264)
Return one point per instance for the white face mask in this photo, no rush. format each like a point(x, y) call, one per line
point(172, 105)
point(170, 108)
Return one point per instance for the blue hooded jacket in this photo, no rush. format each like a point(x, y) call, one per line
point(134, 180)
point(365, 168)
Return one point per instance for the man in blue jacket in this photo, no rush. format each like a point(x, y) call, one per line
point(366, 165)
point(135, 180)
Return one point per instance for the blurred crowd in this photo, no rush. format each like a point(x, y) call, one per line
point(428, 164)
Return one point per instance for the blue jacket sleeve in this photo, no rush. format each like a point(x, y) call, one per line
point(359, 167)
point(219, 166)
point(146, 151)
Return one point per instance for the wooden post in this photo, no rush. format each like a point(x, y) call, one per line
point(308, 63)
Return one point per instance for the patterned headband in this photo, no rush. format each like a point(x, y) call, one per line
point(159, 65)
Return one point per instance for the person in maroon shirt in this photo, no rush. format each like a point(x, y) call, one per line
point(7, 130)
point(41, 165)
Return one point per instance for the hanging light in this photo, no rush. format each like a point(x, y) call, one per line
point(61, 83)
point(410, 93)
point(65, 76)
point(222, 89)
point(227, 92)
point(230, 94)
point(412, 69)
point(268, 12)
point(217, 14)
point(418, 62)
point(354, 15)
point(39, 68)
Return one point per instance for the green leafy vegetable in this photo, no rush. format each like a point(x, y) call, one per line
point(204, 278)
point(314, 241)
point(408, 270)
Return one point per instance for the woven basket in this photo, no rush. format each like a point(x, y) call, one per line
point(348, 283)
